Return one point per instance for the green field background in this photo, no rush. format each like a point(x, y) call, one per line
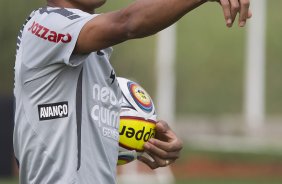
point(210, 66)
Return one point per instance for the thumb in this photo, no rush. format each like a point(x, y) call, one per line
point(162, 126)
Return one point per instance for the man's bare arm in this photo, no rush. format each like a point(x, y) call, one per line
point(140, 19)
point(146, 17)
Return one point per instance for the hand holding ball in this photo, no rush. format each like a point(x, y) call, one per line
point(137, 121)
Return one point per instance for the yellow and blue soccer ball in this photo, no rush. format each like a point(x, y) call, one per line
point(137, 121)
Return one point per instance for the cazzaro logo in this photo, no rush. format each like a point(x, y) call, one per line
point(106, 111)
point(47, 34)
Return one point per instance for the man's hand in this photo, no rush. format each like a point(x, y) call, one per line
point(164, 148)
point(233, 7)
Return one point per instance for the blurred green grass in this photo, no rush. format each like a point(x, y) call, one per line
point(256, 158)
point(9, 181)
point(260, 156)
point(229, 181)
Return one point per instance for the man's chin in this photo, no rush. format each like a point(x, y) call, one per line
point(100, 3)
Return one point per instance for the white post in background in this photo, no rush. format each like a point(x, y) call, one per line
point(165, 63)
point(165, 92)
point(165, 105)
point(255, 69)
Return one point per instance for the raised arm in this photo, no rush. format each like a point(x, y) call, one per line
point(140, 19)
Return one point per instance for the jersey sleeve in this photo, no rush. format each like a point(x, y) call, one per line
point(51, 36)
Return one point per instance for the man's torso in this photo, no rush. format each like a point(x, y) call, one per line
point(67, 110)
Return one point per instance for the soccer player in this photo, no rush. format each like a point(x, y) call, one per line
point(67, 95)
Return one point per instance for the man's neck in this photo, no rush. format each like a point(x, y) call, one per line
point(68, 4)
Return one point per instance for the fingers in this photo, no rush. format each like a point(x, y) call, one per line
point(151, 164)
point(244, 12)
point(232, 7)
point(164, 149)
point(225, 4)
point(170, 152)
point(163, 131)
point(162, 126)
point(176, 145)
point(156, 162)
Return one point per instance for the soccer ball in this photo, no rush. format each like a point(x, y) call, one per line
point(137, 120)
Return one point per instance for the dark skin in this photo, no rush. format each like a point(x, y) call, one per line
point(140, 19)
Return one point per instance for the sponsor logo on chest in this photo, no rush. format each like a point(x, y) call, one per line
point(47, 34)
point(53, 111)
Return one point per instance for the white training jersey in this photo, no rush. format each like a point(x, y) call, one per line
point(67, 110)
